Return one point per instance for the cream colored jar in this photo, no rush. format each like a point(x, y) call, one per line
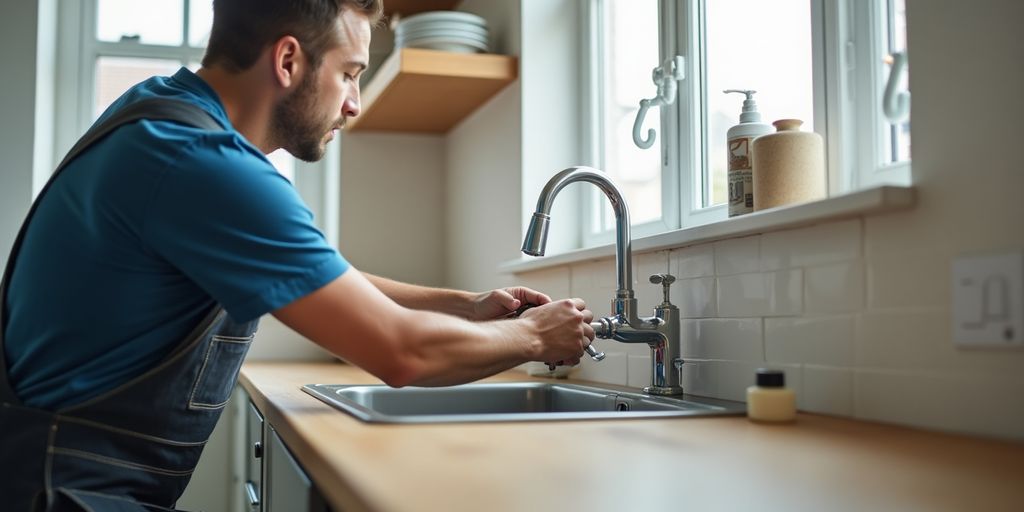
point(788, 166)
point(770, 400)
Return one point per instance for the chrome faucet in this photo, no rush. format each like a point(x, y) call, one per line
point(661, 331)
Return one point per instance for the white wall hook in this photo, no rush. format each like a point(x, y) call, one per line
point(665, 78)
point(896, 104)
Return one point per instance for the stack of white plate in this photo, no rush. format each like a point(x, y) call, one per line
point(451, 31)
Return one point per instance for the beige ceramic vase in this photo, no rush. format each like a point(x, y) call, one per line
point(788, 166)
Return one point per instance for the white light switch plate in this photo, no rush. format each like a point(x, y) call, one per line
point(988, 300)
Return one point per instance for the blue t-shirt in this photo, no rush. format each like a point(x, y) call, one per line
point(139, 237)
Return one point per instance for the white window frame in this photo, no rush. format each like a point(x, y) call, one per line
point(595, 207)
point(318, 183)
point(848, 36)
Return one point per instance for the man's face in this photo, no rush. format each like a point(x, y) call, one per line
point(305, 120)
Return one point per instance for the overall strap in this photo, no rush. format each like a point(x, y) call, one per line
point(156, 109)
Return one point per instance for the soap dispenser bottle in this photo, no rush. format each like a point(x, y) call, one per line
point(739, 139)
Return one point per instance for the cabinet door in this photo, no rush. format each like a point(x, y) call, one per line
point(286, 487)
point(252, 487)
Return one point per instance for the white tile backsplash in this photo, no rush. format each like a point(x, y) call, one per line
point(826, 390)
point(815, 245)
point(690, 262)
point(738, 339)
point(900, 275)
point(695, 298)
point(834, 288)
point(639, 371)
point(737, 256)
point(907, 279)
point(859, 322)
point(945, 401)
point(919, 340)
point(554, 282)
point(698, 378)
point(761, 294)
point(594, 282)
point(908, 340)
point(612, 369)
point(814, 340)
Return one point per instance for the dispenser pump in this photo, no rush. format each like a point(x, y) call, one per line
point(750, 113)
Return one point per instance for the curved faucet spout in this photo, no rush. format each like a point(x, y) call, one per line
point(660, 332)
point(537, 233)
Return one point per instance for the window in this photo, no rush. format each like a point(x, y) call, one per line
point(123, 42)
point(826, 62)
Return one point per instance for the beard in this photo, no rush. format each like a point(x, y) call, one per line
point(296, 125)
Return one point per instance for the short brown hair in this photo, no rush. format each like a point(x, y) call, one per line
point(243, 28)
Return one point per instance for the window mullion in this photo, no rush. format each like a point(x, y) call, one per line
point(837, 115)
point(670, 165)
point(690, 141)
point(868, 102)
point(145, 51)
point(592, 71)
point(87, 64)
point(185, 29)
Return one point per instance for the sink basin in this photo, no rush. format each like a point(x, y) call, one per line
point(511, 401)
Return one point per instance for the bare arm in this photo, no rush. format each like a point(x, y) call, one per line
point(453, 302)
point(469, 305)
point(355, 320)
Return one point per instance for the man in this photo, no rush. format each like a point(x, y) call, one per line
point(134, 290)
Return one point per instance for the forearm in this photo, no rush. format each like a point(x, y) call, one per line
point(443, 351)
point(353, 319)
point(452, 302)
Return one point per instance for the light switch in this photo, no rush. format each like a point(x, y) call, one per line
point(988, 300)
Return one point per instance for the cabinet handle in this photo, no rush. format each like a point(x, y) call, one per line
point(253, 495)
point(257, 450)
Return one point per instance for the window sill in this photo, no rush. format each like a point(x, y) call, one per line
point(872, 201)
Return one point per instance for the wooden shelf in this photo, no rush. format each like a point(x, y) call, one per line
point(430, 91)
point(407, 7)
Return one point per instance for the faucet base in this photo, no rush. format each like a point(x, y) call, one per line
point(663, 391)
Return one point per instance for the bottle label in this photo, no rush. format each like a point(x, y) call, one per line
point(741, 177)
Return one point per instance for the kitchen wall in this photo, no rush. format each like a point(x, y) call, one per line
point(858, 311)
point(392, 205)
point(26, 109)
point(488, 172)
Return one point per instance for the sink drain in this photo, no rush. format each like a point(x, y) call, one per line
point(622, 406)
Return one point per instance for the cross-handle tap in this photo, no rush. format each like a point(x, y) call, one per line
point(665, 280)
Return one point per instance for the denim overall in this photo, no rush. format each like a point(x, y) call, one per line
point(132, 448)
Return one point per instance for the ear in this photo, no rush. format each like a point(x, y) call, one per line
point(289, 62)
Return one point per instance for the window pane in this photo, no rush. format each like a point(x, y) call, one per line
point(284, 162)
point(115, 75)
point(200, 21)
point(898, 141)
point(630, 54)
point(764, 46)
point(147, 21)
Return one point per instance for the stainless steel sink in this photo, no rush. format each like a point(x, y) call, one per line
point(512, 401)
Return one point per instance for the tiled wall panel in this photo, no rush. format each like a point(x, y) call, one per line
point(861, 330)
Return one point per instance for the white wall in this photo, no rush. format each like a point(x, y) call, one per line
point(392, 205)
point(483, 162)
point(492, 183)
point(858, 311)
point(27, 34)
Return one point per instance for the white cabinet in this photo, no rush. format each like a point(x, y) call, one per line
point(253, 478)
point(287, 488)
point(272, 480)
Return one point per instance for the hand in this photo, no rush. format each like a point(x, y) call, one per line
point(498, 303)
point(564, 330)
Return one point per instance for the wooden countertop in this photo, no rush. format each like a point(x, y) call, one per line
point(818, 463)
